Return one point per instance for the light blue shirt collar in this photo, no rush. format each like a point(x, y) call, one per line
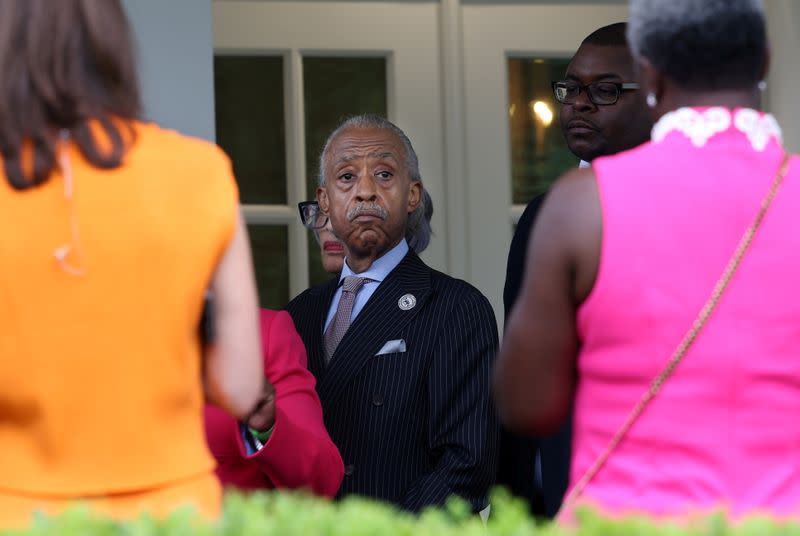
point(382, 266)
point(380, 270)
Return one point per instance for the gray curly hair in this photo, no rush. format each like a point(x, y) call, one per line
point(701, 44)
point(376, 122)
point(418, 226)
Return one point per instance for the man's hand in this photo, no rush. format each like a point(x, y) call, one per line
point(262, 417)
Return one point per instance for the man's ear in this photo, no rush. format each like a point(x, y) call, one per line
point(322, 199)
point(414, 196)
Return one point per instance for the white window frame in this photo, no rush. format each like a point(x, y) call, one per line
point(342, 29)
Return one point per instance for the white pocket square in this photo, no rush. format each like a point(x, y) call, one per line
point(391, 347)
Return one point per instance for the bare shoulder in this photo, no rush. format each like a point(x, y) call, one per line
point(571, 205)
point(574, 189)
point(570, 227)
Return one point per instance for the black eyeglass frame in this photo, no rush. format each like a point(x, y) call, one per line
point(302, 207)
point(621, 86)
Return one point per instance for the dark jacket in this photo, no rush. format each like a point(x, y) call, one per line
point(517, 453)
point(413, 427)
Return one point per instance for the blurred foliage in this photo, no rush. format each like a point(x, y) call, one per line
point(288, 514)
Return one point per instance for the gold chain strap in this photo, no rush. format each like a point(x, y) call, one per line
point(687, 341)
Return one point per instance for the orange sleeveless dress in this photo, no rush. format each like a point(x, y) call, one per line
point(100, 366)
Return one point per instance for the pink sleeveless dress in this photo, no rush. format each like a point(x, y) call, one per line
point(725, 430)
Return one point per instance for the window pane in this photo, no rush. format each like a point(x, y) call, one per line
point(271, 259)
point(335, 88)
point(539, 153)
point(248, 95)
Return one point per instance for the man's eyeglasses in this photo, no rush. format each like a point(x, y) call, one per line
point(600, 93)
point(311, 216)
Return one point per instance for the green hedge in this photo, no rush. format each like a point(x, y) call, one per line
point(289, 514)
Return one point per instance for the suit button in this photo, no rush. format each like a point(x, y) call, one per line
point(348, 469)
point(377, 399)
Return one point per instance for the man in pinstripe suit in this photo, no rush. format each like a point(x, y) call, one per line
point(402, 353)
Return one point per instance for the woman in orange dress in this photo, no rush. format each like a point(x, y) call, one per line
point(111, 231)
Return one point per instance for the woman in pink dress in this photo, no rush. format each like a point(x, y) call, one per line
point(626, 254)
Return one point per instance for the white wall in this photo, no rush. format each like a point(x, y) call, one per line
point(783, 22)
point(176, 62)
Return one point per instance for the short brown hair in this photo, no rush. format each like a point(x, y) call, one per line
point(64, 63)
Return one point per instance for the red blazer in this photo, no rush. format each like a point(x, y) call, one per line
point(299, 453)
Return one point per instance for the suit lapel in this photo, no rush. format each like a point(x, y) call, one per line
point(381, 319)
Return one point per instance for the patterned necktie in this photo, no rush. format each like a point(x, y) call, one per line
point(341, 320)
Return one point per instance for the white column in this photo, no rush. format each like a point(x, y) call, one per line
point(297, 175)
point(783, 22)
point(455, 173)
point(176, 62)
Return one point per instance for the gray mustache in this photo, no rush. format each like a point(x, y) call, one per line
point(367, 209)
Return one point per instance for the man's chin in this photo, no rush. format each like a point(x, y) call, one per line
point(369, 248)
point(364, 246)
point(585, 149)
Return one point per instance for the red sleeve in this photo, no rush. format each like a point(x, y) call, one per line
point(299, 453)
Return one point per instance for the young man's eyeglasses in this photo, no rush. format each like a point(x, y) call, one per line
point(600, 93)
point(311, 216)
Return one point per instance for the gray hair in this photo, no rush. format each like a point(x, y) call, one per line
point(701, 44)
point(418, 226)
point(379, 123)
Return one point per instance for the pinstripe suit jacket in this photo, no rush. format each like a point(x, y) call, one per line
point(413, 427)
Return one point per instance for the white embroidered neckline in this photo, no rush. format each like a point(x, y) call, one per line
point(701, 126)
